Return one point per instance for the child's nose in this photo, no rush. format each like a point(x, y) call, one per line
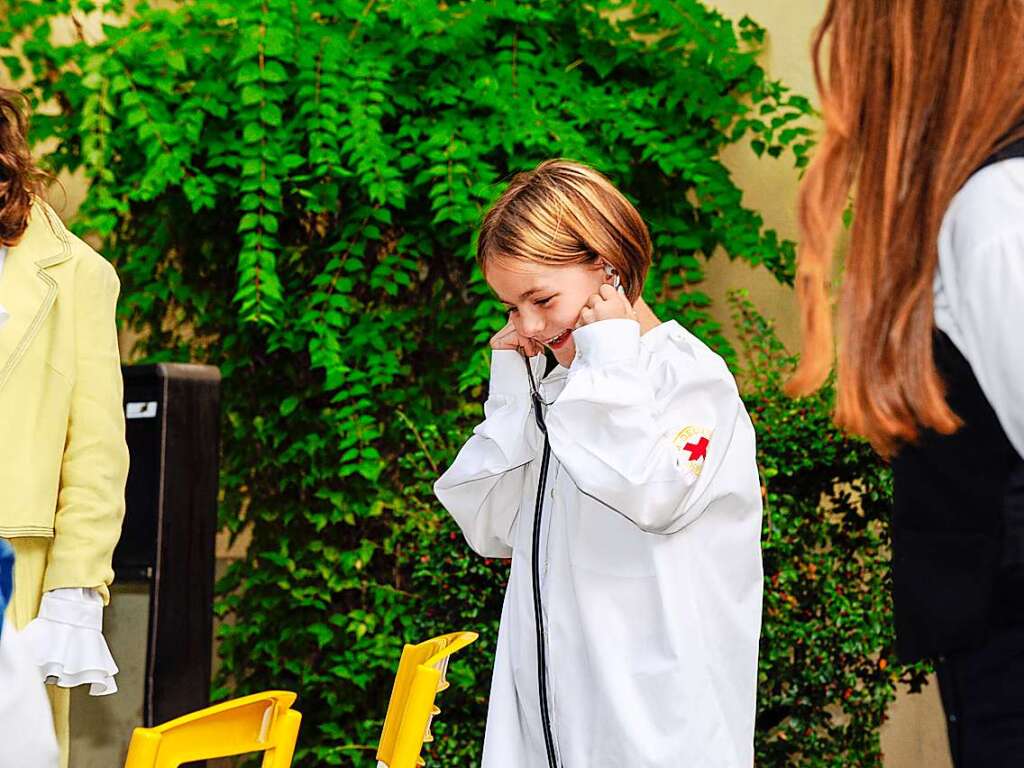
point(530, 324)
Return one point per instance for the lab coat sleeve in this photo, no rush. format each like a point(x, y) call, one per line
point(649, 438)
point(483, 488)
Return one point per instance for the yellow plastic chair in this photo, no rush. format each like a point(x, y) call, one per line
point(263, 722)
point(421, 676)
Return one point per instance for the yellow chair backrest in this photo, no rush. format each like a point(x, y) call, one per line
point(263, 722)
point(421, 675)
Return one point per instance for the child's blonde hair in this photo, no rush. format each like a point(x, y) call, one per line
point(563, 213)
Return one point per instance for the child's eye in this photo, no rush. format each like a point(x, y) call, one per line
point(512, 310)
point(543, 302)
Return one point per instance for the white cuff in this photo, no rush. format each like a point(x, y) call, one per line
point(508, 373)
point(66, 641)
point(606, 342)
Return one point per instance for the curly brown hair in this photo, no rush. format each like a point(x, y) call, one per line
point(20, 179)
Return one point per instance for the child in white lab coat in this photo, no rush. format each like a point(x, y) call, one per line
point(623, 485)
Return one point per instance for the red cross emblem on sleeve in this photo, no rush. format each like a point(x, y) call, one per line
point(698, 450)
point(692, 445)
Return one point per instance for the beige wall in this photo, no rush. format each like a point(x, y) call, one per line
point(769, 185)
point(914, 735)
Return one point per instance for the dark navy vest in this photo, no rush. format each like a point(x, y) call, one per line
point(958, 520)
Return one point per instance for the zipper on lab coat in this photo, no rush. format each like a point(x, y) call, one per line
point(538, 607)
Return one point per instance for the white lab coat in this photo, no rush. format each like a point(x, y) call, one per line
point(652, 579)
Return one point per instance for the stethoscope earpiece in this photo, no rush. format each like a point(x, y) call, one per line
point(613, 273)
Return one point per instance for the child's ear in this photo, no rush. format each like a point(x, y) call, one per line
point(611, 276)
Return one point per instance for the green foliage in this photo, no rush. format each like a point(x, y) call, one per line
point(289, 189)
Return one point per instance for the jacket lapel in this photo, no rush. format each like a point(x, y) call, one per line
point(26, 290)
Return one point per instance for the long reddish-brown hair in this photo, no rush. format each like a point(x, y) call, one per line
point(916, 94)
point(20, 180)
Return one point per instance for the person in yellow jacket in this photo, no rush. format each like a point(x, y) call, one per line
point(63, 456)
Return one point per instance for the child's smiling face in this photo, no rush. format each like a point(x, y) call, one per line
point(545, 300)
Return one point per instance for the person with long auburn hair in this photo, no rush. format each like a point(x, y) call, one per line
point(63, 456)
point(923, 102)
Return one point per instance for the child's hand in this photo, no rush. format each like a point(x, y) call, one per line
point(609, 304)
point(509, 338)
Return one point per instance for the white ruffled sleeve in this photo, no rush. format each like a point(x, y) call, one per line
point(67, 644)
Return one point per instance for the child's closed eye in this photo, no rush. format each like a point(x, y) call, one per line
point(537, 303)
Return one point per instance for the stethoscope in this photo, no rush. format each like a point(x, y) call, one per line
point(538, 609)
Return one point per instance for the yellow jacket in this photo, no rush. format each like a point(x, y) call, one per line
point(63, 456)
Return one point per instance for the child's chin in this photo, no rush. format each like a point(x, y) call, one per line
point(565, 355)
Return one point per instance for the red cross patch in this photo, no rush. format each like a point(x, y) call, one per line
point(692, 444)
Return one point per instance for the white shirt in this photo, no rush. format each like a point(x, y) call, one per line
point(979, 286)
point(4, 315)
point(26, 722)
point(26, 725)
point(652, 578)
